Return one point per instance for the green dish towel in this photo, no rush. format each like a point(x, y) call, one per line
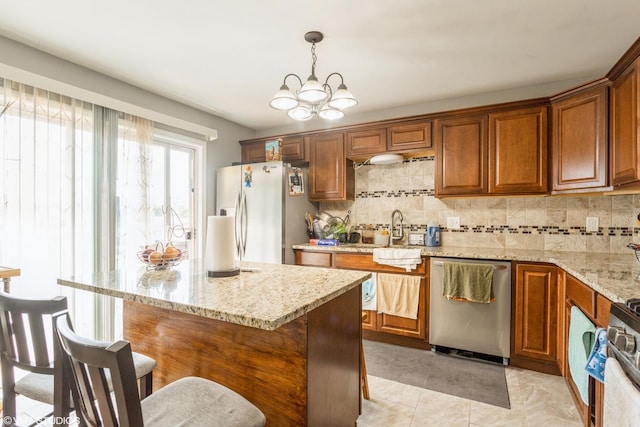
point(468, 282)
point(581, 340)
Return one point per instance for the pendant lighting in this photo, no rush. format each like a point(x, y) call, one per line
point(313, 98)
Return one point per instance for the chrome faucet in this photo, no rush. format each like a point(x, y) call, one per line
point(393, 235)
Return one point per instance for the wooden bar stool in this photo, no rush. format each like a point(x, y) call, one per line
point(188, 401)
point(27, 343)
point(363, 369)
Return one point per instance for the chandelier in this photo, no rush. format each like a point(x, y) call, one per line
point(312, 97)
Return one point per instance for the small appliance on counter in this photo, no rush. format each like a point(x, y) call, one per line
point(432, 236)
point(416, 239)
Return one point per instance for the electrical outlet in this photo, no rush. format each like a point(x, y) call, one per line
point(453, 222)
point(592, 223)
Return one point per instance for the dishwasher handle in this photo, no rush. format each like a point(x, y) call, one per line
point(495, 267)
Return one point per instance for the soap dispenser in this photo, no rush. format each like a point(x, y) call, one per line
point(432, 236)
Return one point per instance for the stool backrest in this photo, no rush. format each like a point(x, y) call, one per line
point(27, 340)
point(88, 365)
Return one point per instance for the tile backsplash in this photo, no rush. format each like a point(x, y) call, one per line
point(556, 223)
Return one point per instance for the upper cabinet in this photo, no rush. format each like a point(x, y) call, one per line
point(366, 142)
point(503, 152)
point(625, 165)
point(579, 143)
point(518, 151)
point(404, 137)
point(331, 174)
point(293, 149)
point(253, 152)
point(461, 155)
point(409, 136)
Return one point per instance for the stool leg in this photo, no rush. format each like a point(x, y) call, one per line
point(363, 374)
point(146, 385)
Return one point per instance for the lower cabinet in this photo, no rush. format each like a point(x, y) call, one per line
point(596, 308)
point(535, 318)
point(381, 325)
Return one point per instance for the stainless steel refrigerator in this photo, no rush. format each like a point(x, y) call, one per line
point(269, 201)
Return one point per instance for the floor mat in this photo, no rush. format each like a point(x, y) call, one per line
point(458, 376)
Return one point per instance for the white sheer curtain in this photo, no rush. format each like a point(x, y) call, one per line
point(47, 207)
point(82, 189)
point(134, 187)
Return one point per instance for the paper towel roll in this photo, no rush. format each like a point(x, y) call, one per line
point(220, 249)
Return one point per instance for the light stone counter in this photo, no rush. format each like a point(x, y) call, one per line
point(616, 276)
point(267, 298)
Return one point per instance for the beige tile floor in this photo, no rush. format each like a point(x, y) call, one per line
point(536, 400)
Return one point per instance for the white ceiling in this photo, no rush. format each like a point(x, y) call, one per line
point(229, 57)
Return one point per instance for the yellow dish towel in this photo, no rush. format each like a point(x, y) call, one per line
point(398, 294)
point(468, 282)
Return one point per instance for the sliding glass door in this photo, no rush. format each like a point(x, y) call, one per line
point(171, 214)
point(83, 189)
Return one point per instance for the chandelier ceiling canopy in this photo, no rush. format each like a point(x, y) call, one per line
point(313, 98)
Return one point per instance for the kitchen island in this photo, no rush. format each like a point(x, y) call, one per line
point(285, 337)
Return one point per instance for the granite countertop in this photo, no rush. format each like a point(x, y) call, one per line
point(266, 298)
point(615, 276)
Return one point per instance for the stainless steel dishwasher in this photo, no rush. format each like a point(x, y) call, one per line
point(475, 327)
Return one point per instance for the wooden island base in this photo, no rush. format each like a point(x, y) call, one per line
point(306, 372)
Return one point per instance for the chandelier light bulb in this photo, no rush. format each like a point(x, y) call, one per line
point(329, 113)
point(312, 91)
point(343, 99)
point(284, 99)
point(300, 113)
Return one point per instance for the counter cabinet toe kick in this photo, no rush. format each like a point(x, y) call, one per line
point(303, 373)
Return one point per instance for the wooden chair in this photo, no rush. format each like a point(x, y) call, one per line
point(27, 342)
point(189, 401)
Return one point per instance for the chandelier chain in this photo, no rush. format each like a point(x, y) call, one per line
point(314, 58)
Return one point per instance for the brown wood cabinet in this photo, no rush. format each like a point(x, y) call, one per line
point(253, 152)
point(501, 153)
point(534, 324)
point(518, 151)
point(625, 138)
point(461, 155)
point(579, 140)
point(409, 136)
point(596, 307)
point(366, 142)
point(293, 150)
point(331, 174)
point(380, 324)
point(414, 328)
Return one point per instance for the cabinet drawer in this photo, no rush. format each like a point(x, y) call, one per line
point(581, 295)
point(315, 259)
point(365, 262)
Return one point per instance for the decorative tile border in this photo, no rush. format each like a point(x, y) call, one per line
point(521, 229)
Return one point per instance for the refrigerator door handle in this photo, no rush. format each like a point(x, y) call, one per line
point(243, 224)
point(237, 222)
